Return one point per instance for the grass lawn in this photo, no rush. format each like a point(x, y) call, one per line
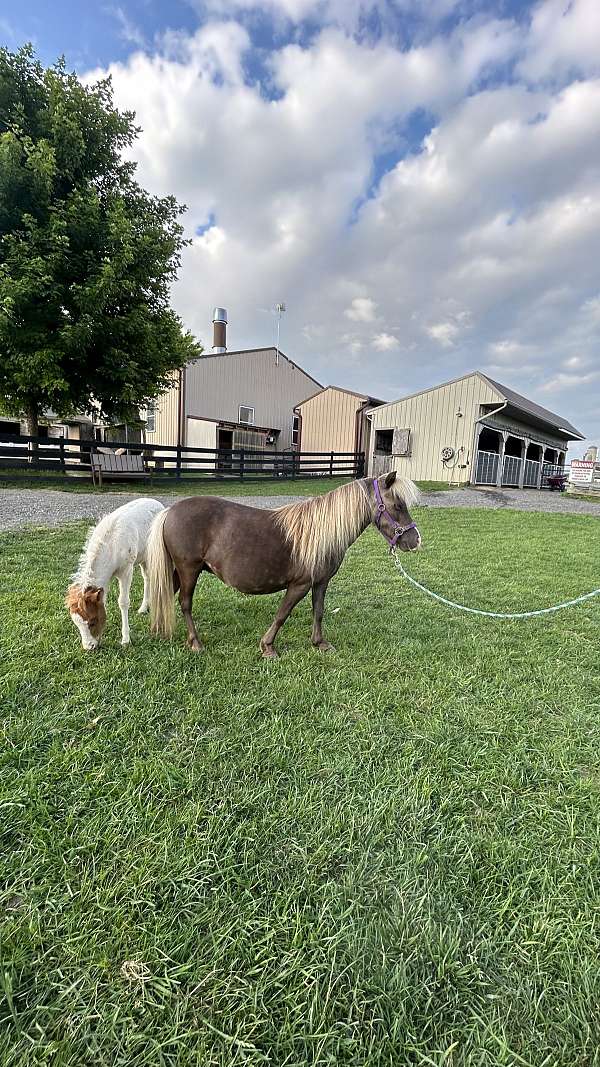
point(190, 486)
point(388, 855)
point(185, 487)
point(590, 498)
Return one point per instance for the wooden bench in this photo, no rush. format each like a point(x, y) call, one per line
point(111, 465)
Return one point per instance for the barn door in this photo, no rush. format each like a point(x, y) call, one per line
point(382, 464)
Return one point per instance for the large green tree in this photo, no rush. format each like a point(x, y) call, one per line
point(87, 256)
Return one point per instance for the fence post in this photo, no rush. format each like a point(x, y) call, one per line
point(331, 465)
point(62, 454)
point(360, 465)
point(241, 463)
point(178, 471)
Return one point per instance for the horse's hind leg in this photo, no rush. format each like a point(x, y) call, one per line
point(292, 597)
point(318, 603)
point(187, 583)
point(124, 579)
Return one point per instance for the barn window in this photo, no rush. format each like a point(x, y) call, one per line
point(384, 440)
point(246, 415)
point(295, 430)
point(151, 418)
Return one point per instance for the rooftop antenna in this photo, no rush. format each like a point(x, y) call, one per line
point(279, 308)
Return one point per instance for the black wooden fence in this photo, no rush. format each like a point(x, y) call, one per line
point(62, 457)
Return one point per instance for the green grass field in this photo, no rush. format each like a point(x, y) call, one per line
point(187, 487)
point(388, 855)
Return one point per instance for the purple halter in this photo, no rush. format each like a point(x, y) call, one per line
point(399, 531)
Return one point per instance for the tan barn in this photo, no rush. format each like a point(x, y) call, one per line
point(334, 420)
point(469, 430)
point(231, 399)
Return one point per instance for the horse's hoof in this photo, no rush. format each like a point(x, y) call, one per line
point(143, 610)
point(125, 643)
point(325, 646)
point(269, 653)
point(195, 646)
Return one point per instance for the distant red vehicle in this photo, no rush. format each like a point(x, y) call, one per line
point(557, 483)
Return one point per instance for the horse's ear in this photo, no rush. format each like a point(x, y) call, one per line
point(390, 479)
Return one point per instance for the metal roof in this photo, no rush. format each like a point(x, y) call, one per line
point(338, 389)
point(529, 407)
point(250, 352)
point(520, 403)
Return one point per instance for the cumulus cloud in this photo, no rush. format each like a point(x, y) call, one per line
point(475, 245)
point(443, 332)
point(362, 309)
point(383, 342)
point(563, 40)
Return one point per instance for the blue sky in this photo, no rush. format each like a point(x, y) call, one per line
point(420, 182)
point(96, 33)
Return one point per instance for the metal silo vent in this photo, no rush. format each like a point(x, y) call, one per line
point(219, 330)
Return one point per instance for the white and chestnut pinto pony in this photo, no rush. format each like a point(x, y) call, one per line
point(112, 549)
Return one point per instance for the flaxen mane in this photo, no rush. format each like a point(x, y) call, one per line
point(320, 530)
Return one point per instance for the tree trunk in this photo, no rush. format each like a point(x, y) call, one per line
point(33, 427)
point(31, 415)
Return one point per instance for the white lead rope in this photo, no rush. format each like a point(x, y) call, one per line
point(491, 614)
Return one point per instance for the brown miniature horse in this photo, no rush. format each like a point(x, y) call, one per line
point(297, 547)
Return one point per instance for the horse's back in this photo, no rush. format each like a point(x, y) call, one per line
point(130, 525)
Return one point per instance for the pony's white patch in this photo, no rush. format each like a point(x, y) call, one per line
point(112, 548)
point(88, 641)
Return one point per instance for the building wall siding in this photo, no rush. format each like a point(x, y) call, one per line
point(167, 411)
point(217, 385)
point(201, 433)
point(329, 421)
point(431, 418)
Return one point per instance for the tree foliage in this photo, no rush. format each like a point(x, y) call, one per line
point(87, 256)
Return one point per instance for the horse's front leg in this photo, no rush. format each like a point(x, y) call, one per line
point(318, 603)
point(293, 596)
point(125, 579)
point(145, 605)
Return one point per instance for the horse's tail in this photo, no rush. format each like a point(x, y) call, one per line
point(160, 579)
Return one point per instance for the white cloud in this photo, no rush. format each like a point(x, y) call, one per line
point(443, 332)
point(563, 40)
point(362, 309)
point(507, 351)
point(383, 342)
point(497, 212)
point(211, 241)
point(570, 381)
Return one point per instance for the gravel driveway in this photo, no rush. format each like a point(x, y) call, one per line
point(51, 507)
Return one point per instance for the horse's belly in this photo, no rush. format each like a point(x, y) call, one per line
point(236, 573)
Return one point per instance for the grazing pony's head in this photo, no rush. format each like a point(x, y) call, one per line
point(86, 608)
